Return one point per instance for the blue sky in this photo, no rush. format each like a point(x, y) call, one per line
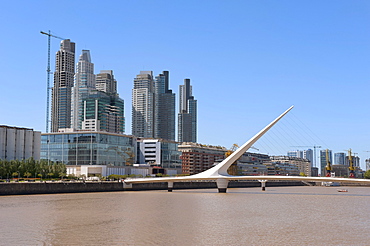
point(248, 61)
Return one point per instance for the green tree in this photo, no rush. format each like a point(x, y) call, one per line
point(15, 174)
point(367, 174)
point(302, 174)
point(27, 174)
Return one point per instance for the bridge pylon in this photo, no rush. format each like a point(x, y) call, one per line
point(222, 185)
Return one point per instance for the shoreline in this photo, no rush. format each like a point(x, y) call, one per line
point(33, 188)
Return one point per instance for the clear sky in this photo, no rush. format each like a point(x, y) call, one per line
point(248, 61)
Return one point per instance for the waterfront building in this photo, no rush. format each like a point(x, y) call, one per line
point(164, 108)
point(323, 160)
point(340, 170)
point(187, 117)
point(282, 168)
point(367, 161)
point(303, 165)
point(89, 148)
point(96, 170)
point(17, 143)
point(197, 158)
point(143, 105)
point(160, 153)
point(314, 171)
point(63, 83)
point(84, 83)
point(339, 158)
point(250, 164)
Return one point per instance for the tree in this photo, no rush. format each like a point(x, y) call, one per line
point(302, 174)
point(27, 174)
point(367, 174)
point(14, 174)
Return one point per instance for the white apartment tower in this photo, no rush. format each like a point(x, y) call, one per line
point(84, 84)
point(143, 105)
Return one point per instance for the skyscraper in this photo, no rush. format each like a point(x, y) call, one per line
point(63, 83)
point(164, 108)
point(84, 84)
point(105, 82)
point(102, 109)
point(143, 105)
point(187, 117)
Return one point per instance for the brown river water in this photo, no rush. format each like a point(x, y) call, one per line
point(247, 216)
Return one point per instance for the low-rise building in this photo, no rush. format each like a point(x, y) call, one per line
point(89, 148)
point(197, 158)
point(340, 170)
point(160, 153)
point(303, 165)
point(17, 143)
point(250, 164)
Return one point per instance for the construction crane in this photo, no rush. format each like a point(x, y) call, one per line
point(328, 164)
point(235, 147)
point(351, 166)
point(48, 78)
point(314, 151)
point(233, 169)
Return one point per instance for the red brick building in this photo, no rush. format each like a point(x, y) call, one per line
point(197, 158)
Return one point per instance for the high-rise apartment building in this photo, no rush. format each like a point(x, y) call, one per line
point(187, 117)
point(63, 84)
point(143, 105)
point(84, 84)
point(164, 108)
point(305, 154)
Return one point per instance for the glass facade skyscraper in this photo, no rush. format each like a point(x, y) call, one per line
point(339, 158)
point(164, 108)
point(103, 112)
point(187, 117)
point(323, 160)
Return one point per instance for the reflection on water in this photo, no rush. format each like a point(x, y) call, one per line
point(281, 215)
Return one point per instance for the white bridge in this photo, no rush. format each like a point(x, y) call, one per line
point(219, 173)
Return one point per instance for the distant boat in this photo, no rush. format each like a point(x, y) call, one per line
point(342, 190)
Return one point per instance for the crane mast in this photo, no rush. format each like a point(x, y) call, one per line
point(328, 164)
point(48, 71)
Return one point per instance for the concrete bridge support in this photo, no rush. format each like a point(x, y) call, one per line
point(170, 186)
point(222, 185)
point(263, 184)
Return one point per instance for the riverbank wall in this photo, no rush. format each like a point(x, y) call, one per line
point(26, 188)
